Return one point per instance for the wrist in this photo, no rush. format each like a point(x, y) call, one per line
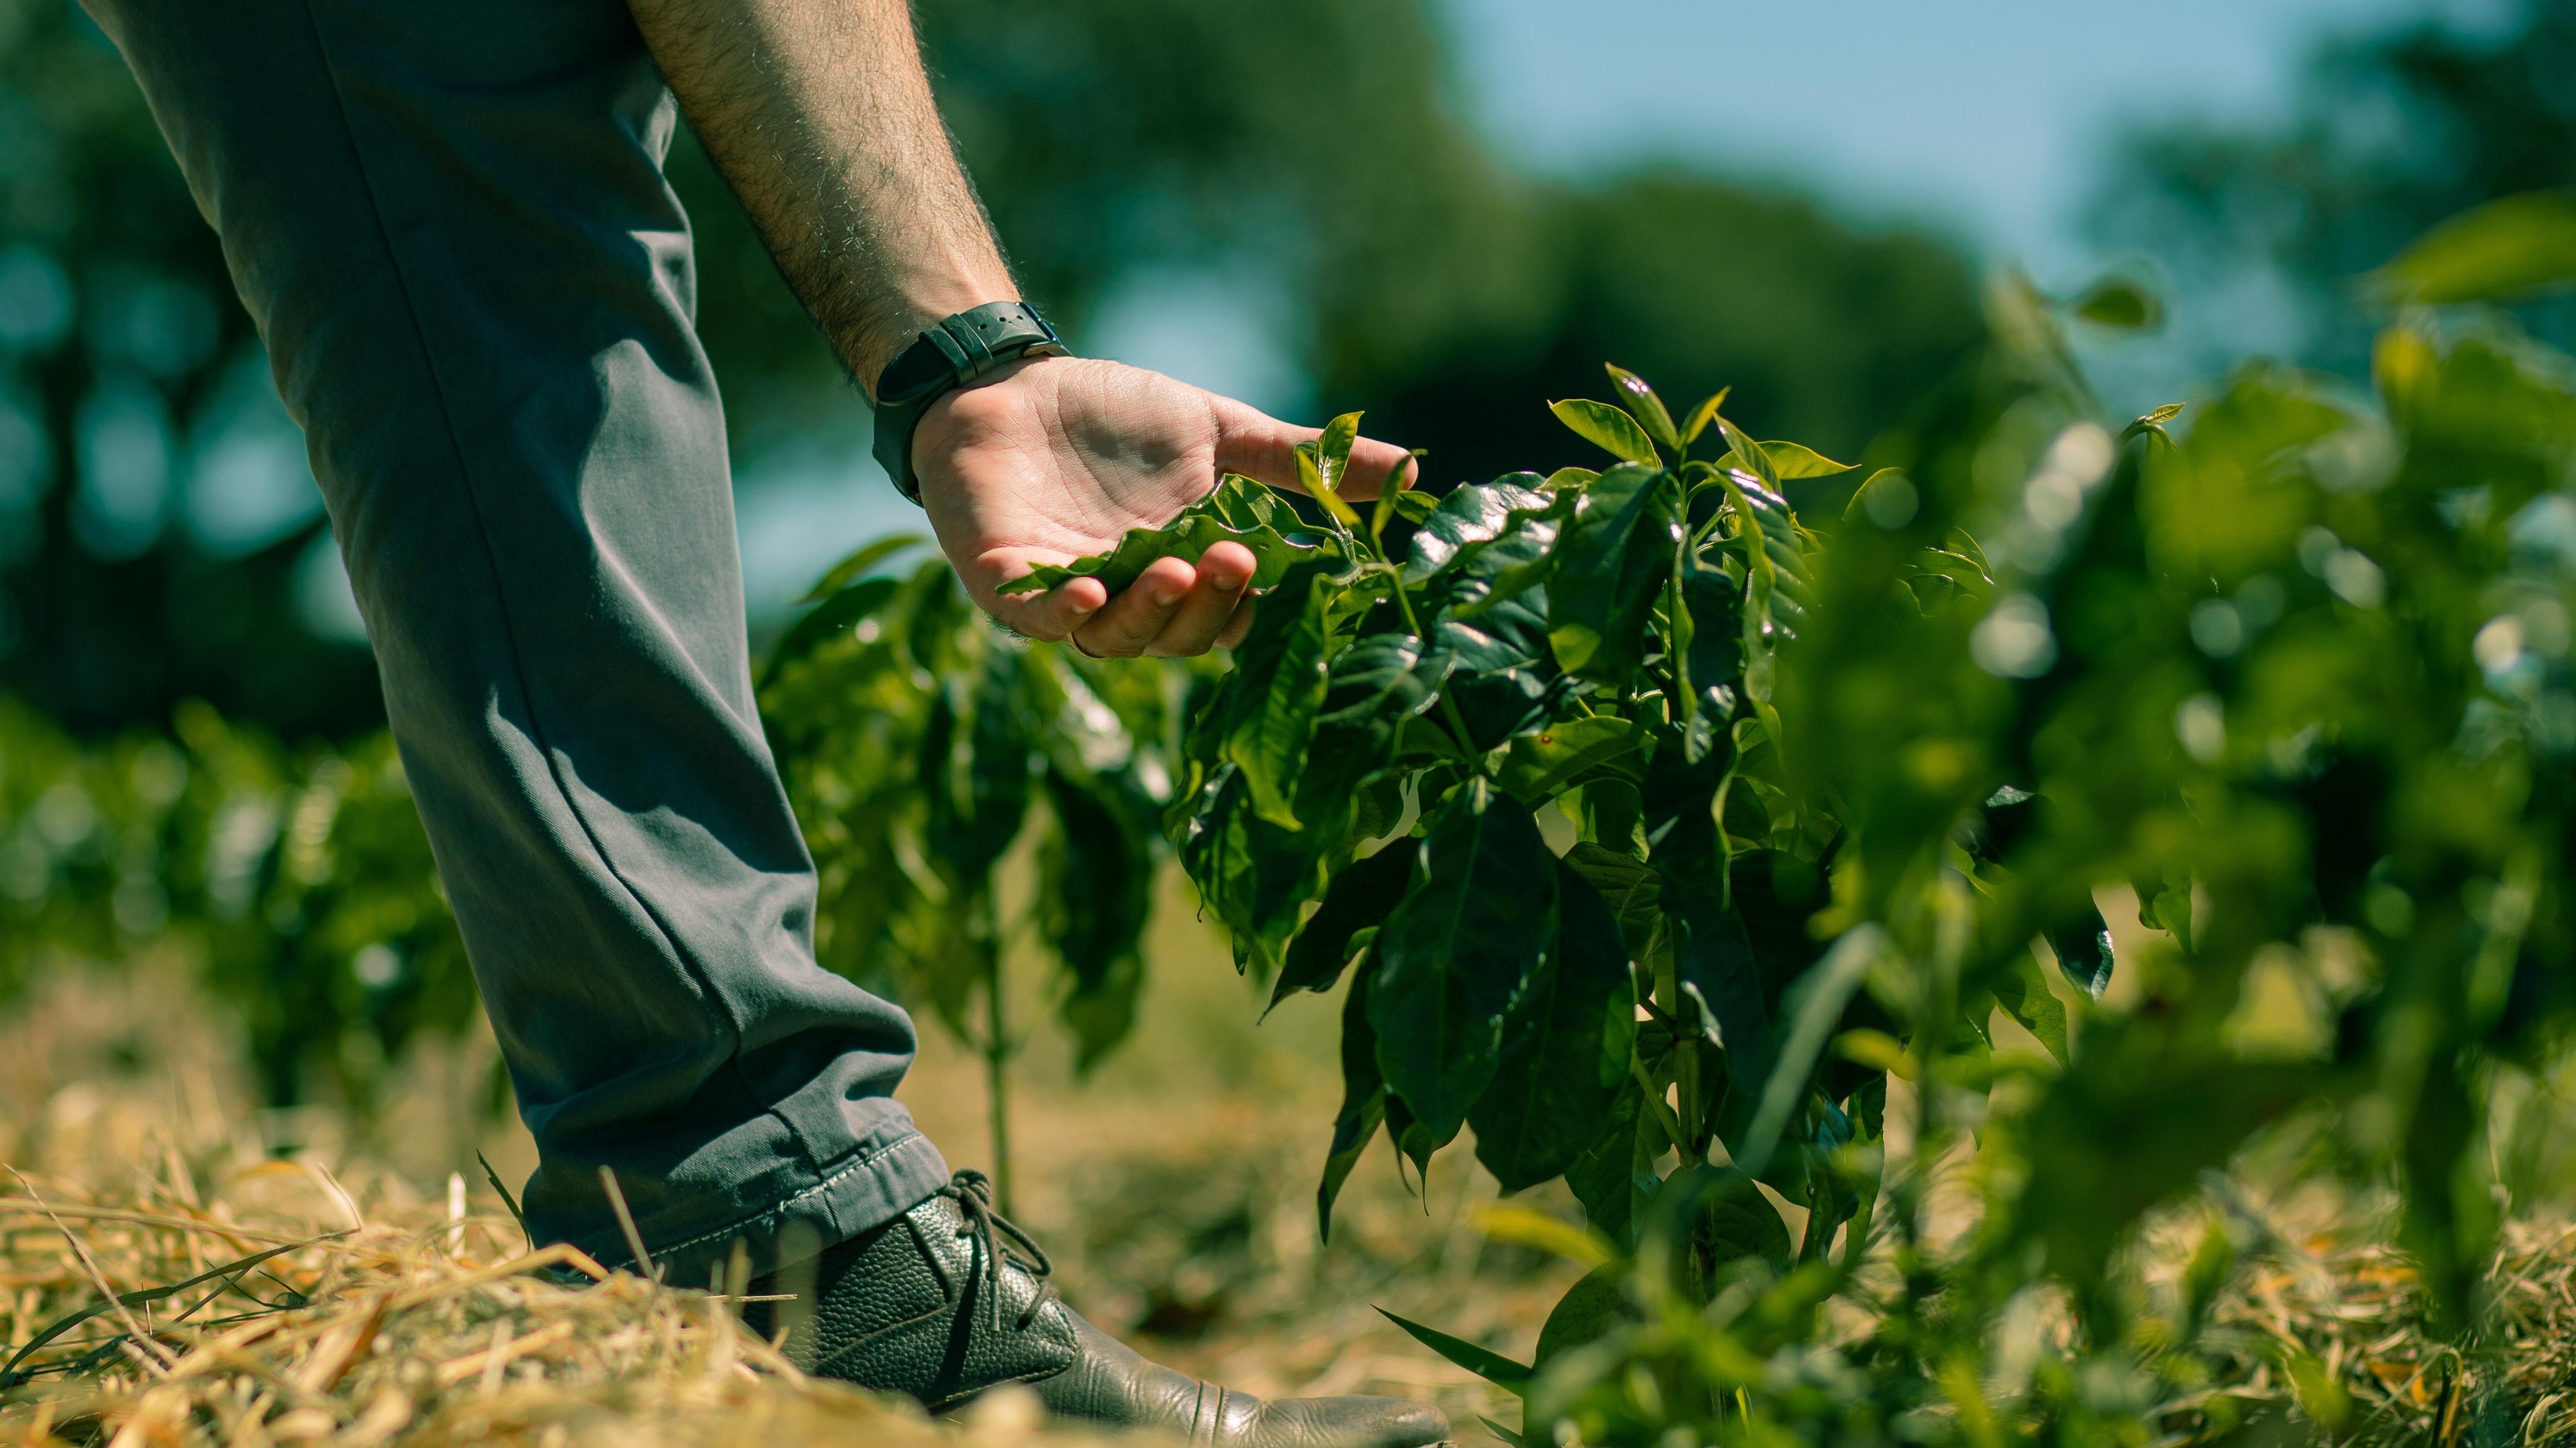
point(914, 309)
point(959, 351)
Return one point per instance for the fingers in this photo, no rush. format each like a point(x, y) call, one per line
point(1053, 614)
point(1211, 604)
point(1172, 608)
point(1257, 445)
point(1136, 615)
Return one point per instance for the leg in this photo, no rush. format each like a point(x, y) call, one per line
point(451, 225)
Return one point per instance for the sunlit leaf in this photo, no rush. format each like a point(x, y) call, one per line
point(1643, 405)
point(1493, 1367)
point(2506, 248)
point(1607, 427)
point(1201, 526)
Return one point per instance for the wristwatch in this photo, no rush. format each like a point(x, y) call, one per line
point(943, 359)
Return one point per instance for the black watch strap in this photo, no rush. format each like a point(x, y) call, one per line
point(949, 356)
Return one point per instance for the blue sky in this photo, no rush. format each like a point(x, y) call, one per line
point(1985, 115)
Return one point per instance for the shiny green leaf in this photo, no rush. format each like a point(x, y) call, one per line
point(1565, 1047)
point(1539, 766)
point(1201, 526)
point(1458, 951)
point(1608, 428)
point(1643, 405)
point(1611, 561)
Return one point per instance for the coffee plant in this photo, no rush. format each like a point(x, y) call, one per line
point(1682, 824)
point(925, 751)
point(301, 880)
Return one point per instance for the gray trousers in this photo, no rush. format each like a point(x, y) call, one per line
point(451, 225)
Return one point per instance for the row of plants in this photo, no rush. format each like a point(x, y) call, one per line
point(1679, 827)
point(299, 882)
point(1723, 832)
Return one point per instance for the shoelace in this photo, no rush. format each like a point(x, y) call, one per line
point(972, 1191)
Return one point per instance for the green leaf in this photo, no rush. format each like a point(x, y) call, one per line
point(2120, 303)
point(1720, 1216)
point(1458, 951)
point(1587, 1312)
point(1611, 560)
point(1492, 1366)
point(1255, 875)
point(2024, 994)
point(1540, 766)
point(1472, 514)
point(1702, 415)
point(1266, 709)
point(836, 613)
point(2502, 250)
point(1310, 478)
point(1608, 428)
point(1787, 460)
point(866, 557)
point(1413, 504)
point(1741, 1223)
point(1389, 497)
point(1363, 1104)
point(1602, 1175)
point(1333, 452)
point(1632, 887)
point(2083, 953)
point(1218, 518)
point(1095, 895)
point(2152, 421)
point(1813, 1005)
point(1643, 405)
point(1714, 606)
point(1565, 1047)
point(975, 768)
point(1744, 452)
point(1360, 898)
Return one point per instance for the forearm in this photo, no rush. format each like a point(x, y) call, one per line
point(820, 117)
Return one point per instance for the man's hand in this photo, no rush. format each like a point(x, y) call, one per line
point(1056, 457)
point(820, 117)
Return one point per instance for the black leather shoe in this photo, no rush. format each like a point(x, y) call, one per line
point(937, 1305)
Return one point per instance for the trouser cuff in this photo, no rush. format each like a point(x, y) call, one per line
point(866, 1189)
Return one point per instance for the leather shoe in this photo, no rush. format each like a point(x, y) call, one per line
point(951, 1299)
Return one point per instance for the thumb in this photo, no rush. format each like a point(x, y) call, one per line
point(1257, 445)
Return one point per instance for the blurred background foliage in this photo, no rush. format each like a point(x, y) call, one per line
point(162, 546)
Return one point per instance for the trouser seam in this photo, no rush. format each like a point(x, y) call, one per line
point(500, 592)
point(736, 1227)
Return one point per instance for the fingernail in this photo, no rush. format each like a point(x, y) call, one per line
point(1228, 585)
point(1086, 609)
point(1164, 598)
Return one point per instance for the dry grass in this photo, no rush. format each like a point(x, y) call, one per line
point(406, 1308)
point(1175, 1192)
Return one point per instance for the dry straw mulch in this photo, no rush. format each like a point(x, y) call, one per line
point(415, 1326)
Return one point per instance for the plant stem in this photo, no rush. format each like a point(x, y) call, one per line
point(1413, 623)
point(997, 1054)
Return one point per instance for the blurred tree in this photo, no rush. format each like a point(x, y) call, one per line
point(132, 390)
point(2265, 227)
point(157, 525)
